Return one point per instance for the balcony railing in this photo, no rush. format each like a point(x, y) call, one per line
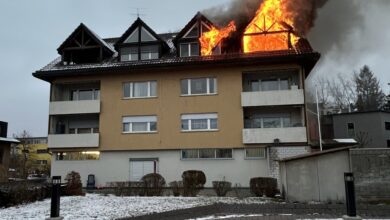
point(74, 107)
point(272, 98)
point(73, 140)
point(269, 135)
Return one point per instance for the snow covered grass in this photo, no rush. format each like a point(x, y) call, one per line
point(94, 206)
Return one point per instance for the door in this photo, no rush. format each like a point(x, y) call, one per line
point(139, 168)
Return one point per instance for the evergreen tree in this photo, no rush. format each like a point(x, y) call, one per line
point(369, 94)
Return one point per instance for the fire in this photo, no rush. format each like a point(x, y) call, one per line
point(209, 40)
point(270, 29)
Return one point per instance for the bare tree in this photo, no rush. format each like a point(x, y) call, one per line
point(363, 139)
point(25, 152)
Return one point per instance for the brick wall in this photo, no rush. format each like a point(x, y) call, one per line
point(371, 168)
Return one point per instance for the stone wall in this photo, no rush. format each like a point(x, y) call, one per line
point(276, 153)
point(371, 168)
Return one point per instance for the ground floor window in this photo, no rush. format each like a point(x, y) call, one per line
point(84, 155)
point(255, 153)
point(207, 154)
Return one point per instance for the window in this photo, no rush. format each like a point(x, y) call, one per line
point(139, 124)
point(202, 86)
point(129, 54)
point(88, 94)
point(387, 126)
point(42, 151)
point(272, 84)
point(207, 154)
point(199, 122)
point(275, 121)
point(388, 143)
point(189, 49)
point(351, 129)
point(83, 130)
point(193, 33)
point(255, 153)
point(41, 162)
point(85, 155)
point(149, 52)
point(1, 155)
point(140, 89)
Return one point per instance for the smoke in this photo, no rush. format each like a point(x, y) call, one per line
point(302, 12)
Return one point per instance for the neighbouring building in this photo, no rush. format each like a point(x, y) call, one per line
point(5, 148)
point(38, 155)
point(145, 102)
point(370, 129)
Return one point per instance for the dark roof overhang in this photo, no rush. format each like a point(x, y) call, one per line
point(306, 60)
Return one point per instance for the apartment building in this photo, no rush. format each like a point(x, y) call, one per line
point(124, 107)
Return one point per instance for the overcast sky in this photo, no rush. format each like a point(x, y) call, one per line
point(31, 31)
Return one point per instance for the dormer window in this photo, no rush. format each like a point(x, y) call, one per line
point(187, 41)
point(189, 49)
point(140, 42)
point(84, 46)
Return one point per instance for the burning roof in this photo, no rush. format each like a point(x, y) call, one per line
point(269, 36)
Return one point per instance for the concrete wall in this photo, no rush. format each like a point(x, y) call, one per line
point(372, 124)
point(74, 107)
point(372, 173)
point(316, 178)
point(4, 161)
point(115, 166)
point(268, 135)
point(272, 98)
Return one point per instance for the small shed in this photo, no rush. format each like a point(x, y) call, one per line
point(317, 176)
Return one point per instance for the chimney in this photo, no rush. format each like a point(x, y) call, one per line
point(3, 129)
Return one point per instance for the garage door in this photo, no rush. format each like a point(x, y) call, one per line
point(139, 168)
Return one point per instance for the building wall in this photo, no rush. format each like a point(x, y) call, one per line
point(115, 166)
point(4, 161)
point(372, 124)
point(372, 173)
point(317, 178)
point(169, 106)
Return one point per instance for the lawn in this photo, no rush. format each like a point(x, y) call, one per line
point(94, 206)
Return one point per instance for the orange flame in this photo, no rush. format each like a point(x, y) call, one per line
point(209, 40)
point(271, 29)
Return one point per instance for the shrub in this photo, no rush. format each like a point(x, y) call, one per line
point(222, 187)
point(73, 185)
point(193, 182)
point(177, 187)
point(154, 184)
point(119, 188)
point(261, 186)
point(16, 193)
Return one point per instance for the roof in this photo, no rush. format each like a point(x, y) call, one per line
point(134, 26)
point(315, 154)
point(96, 37)
point(306, 57)
point(9, 140)
point(363, 112)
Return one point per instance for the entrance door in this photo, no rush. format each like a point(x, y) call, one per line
point(139, 168)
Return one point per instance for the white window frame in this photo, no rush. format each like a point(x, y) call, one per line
point(215, 154)
point(140, 97)
point(256, 158)
point(139, 119)
point(208, 92)
point(189, 49)
point(78, 94)
point(207, 116)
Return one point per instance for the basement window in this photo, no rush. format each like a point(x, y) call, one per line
point(255, 153)
point(189, 154)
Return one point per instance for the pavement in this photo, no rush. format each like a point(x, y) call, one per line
point(271, 211)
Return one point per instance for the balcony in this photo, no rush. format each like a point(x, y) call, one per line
point(73, 140)
point(268, 135)
point(273, 98)
point(74, 107)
